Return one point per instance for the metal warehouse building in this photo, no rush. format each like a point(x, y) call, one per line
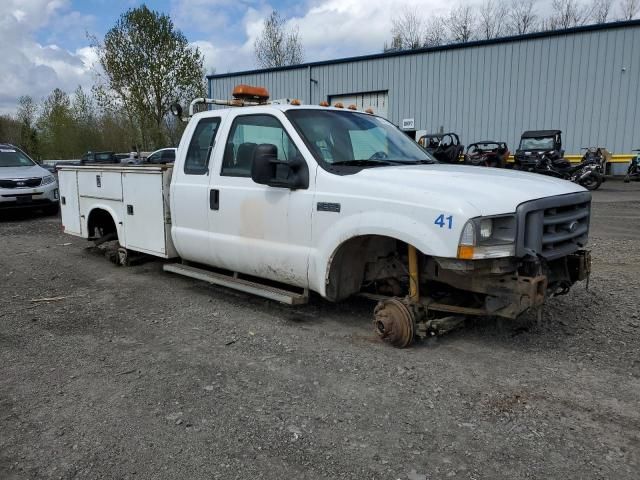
point(584, 81)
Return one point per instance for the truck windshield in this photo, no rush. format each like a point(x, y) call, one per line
point(541, 143)
point(10, 157)
point(359, 139)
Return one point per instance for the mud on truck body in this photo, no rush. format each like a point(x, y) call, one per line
point(280, 200)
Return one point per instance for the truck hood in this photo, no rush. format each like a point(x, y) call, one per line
point(23, 172)
point(492, 191)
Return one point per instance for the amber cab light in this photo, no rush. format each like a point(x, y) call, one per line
point(339, 105)
point(247, 92)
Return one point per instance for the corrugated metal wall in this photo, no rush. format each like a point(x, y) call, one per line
point(586, 83)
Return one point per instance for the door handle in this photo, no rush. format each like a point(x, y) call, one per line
point(214, 199)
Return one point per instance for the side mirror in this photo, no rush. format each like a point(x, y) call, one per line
point(266, 169)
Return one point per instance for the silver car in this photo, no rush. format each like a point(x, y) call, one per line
point(24, 183)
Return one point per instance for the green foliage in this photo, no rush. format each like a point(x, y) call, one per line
point(9, 130)
point(147, 66)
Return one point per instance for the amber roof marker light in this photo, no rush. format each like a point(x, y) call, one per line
point(248, 92)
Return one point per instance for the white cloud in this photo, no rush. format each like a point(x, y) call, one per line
point(328, 29)
point(30, 67)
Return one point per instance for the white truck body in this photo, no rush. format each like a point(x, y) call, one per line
point(294, 235)
point(137, 198)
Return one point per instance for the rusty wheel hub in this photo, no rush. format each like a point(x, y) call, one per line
point(394, 322)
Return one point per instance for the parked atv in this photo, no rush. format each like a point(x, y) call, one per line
point(445, 147)
point(598, 156)
point(534, 144)
point(487, 153)
point(585, 174)
point(633, 172)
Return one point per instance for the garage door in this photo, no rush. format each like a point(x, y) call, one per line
point(378, 101)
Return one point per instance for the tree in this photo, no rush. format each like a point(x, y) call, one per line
point(629, 9)
point(435, 32)
point(56, 126)
point(462, 23)
point(148, 65)
point(521, 17)
point(10, 130)
point(566, 14)
point(26, 115)
point(491, 17)
point(277, 46)
point(600, 10)
point(407, 30)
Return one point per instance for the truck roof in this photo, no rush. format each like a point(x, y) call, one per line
point(282, 108)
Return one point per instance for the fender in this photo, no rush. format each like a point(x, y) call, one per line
point(114, 217)
point(393, 225)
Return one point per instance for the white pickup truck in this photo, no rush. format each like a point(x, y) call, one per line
point(280, 200)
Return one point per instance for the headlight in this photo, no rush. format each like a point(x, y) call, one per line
point(486, 227)
point(488, 237)
point(47, 180)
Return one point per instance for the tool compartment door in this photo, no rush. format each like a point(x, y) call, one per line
point(69, 201)
point(100, 184)
point(144, 212)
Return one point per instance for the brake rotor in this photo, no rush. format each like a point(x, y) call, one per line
point(394, 322)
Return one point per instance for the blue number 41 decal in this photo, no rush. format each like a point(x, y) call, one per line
point(440, 221)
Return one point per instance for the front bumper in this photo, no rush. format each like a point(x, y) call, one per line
point(35, 197)
point(508, 294)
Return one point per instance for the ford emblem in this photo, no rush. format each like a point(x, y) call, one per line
point(573, 226)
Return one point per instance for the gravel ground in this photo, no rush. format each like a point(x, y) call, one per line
point(136, 373)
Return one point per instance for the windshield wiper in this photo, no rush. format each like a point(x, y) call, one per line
point(421, 162)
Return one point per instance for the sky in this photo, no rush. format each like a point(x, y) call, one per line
point(44, 43)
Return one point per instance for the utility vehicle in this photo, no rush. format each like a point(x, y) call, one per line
point(281, 200)
point(536, 143)
point(444, 147)
point(487, 153)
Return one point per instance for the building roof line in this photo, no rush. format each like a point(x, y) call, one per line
point(451, 46)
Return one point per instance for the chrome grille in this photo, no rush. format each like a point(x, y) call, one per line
point(554, 227)
point(20, 182)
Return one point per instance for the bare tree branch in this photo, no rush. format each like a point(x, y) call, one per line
point(522, 17)
point(629, 9)
point(462, 23)
point(276, 45)
point(491, 16)
point(567, 14)
point(407, 30)
point(600, 10)
point(435, 32)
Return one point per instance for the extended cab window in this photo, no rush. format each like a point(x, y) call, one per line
point(249, 131)
point(202, 141)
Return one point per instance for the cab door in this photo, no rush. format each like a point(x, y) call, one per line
point(190, 189)
point(257, 229)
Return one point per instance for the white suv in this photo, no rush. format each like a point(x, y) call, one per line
point(24, 183)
